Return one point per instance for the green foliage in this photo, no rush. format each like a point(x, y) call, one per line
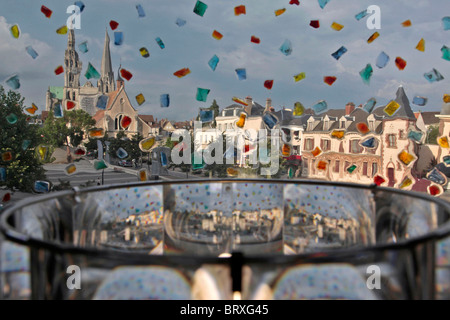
point(71, 128)
point(433, 133)
point(24, 168)
point(131, 146)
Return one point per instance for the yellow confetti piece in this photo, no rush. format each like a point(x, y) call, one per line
point(421, 45)
point(232, 172)
point(373, 37)
point(338, 134)
point(140, 99)
point(286, 150)
point(15, 31)
point(406, 158)
point(241, 122)
point(446, 98)
point(280, 12)
point(143, 175)
point(70, 169)
point(299, 76)
point(407, 182)
point(299, 109)
point(336, 26)
point(146, 144)
point(391, 108)
point(443, 142)
point(96, 133)
point(62, 30)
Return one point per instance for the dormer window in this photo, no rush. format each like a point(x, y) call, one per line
point(342, 126)
point(326, 125)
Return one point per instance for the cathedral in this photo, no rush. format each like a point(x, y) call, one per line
point(107, 103)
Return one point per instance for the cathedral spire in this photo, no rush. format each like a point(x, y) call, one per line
point(106, 83)
point(71, 40)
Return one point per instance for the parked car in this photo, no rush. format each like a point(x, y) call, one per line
point(125, 163)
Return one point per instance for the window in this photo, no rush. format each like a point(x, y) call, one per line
point(374, 169)
point(337, 165)
point(355, 147)
point(401, 134)
point(309, 144)
point(365, 169)
point(347, 164)
point(325, 144)
point(342, 124)
point(391, 141)
point(341, 147)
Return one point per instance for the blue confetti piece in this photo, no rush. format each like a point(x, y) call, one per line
point(370, 104)
point(445, 53)
point(446, 23)
point(2, 174)
point(180, 22)
point(41, 186)
point(361, 15)
point(415, 135)
point(369, 143)
point(102, 102)
point(32, 52)
point(163, 159)
point(286, 47)
point(140, 11)
point(118, 38)
point(419, 101)
point(366, 74)
point(80, 5)
point(160, 43)
point(436, 176)
point(323, 3)
point(382, 60)
point(320, 107)
point(58, 111)
point(83, 47)
point(213, 62)
point(165, 100)
point(202, 94)
point(338, 54)
point(433, 76)
point(25, 144)
point(270, 120)
point(206, 115)
point(121, 153)
point(13, 82)
point(241, 73)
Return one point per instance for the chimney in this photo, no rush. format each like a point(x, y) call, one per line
point(349, 108)
point(268, 104)
point(248, 109)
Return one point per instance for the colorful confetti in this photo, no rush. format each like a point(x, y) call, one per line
point(373, 37)
point(70, 105)
point(83, 47)
point(443, 142)
point(140, 10)
point(400, 63)
point(240, 123)
point(336, 26)
point(140, 99)
point(433, 76)
point(286, 47)
point(160, 43)
point(102, 102)
point(217, 35)
point(46, 11)
point(299, 76)
point(268, 84)
point(323, 3)
point(118, 38)
point(366, 73)
point(32, 109)
point(314, 24)
point(13, 82)
point(91, 72)
point(144, 52)
point(445, 53)
point(200, 8)
point(100, 165)
point(382, 60)
point(369, 105)
point(316, 152)
point(240, 101)
point(320, 106)
point(96, 133)
point(59, 70)
point(269, 120)
point(406, 23)
point(238, 10)
point(406, 158)
point(255, 39)
point(329, 80)
point(299, 109)
point(15, 31)
point(70, 169)
point(113, 24)
point(391, 108)
point(241, 73)
point(180, 22)
point(31, 52)
point(206, 115)
point(338, 134)
point(182, 72)
point(419, 101)
point(146, 144)
point(121, 153)
point(62, 30)
point(164, 100)
point(421, 45)
point(126, 74)
point(213, 62)
point(279, 12)
point(125, 122)
point(338, 54)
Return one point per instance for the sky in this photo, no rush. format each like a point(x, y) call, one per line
point(192, 46)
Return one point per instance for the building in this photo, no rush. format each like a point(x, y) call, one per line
point(347, 158)
point(108, 102)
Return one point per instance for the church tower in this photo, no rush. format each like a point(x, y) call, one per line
point(73, 67)
point(106, 83)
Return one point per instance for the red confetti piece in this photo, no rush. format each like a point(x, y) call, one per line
point(379, 180)
point(239, 10)
point(322, 165)
point(70, 105)
point(400, 63)
point(80, 152)
point(362, 127)
point(329, 80)
point(434, 190)
point(255, 39)
point(182, 72)
point(246, 148)
point(126, 121)
point(217, 35)
point(7, 156)
point(59, 70)
point(7, 197)
point(113, 24)
point(296, 2)
point(46, 11)
point(315, 24)
point(126, 74)
point(268, 84)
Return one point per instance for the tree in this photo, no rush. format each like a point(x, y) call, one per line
point(15, 136)
point(131, 146)
point(433, 133)
point(69, 129)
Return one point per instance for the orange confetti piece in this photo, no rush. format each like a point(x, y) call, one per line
point(32, 109)
point(406, 23)
point(421, 45)
point(373, 37)
point(316, 152)
point(338, 134)
point(217, 35)
point(446, 98)
point(405, 157)
point(240, 101)
point(322, 165)
point(400, 63)
point(182, 72)
point(239, 10)
point(280, 12)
